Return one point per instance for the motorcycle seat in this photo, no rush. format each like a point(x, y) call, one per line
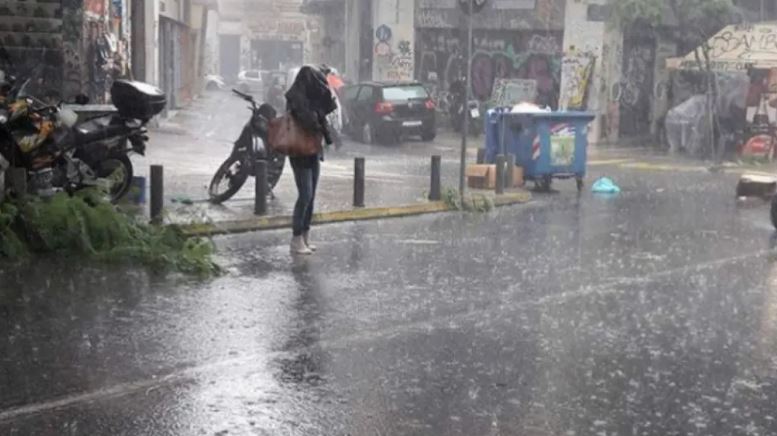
point(99, 129)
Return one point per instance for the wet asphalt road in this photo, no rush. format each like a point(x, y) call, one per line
point(650, 313)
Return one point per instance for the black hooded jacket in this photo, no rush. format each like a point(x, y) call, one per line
point(310, 100)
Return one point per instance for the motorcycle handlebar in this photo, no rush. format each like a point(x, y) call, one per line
point(245, 97)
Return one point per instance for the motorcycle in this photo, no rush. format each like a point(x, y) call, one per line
point(249, 147)
point(60, 153)
point(457, 115)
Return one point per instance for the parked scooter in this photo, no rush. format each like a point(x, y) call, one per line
point(457, 110)
point(250, 146)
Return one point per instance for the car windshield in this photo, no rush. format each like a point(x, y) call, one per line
point(408, 92)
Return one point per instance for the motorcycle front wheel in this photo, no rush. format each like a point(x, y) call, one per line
point(118, 170)
point(229, 178)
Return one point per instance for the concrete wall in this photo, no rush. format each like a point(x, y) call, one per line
point(152, 41)
point(353, 27)
point(171, 9)
point(394, 40)
point(588, 36)
point(211, 55)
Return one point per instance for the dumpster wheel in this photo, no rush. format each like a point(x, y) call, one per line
point(580, 184)
point(543, 184)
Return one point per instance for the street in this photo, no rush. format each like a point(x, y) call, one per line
point(627, 288)
point(647, 313)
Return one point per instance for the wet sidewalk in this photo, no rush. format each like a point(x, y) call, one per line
point(193, 144)
point(393, 178)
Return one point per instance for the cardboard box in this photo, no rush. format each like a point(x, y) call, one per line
point(484, 177)
point(481, 176)
point(517, 177)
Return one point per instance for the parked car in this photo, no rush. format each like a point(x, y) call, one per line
point(250, 82)
point(386, 111)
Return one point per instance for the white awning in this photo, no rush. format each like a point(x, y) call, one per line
point(736, 48)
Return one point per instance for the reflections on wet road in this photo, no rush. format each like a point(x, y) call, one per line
point(627, 315)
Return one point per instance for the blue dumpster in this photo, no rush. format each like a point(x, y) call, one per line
point(546, 144)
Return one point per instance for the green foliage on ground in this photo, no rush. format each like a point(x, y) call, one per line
point(87, 225)
point(472, 203)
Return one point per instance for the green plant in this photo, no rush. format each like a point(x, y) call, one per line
point(85, 224)
point(11, 245)
point(472, 203)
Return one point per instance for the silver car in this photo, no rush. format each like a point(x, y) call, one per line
point(250, 82)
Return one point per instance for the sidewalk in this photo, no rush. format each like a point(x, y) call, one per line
point(192, 145)
point(394, 176)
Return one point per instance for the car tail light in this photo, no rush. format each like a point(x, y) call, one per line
point(430, 104)
point(384, 108)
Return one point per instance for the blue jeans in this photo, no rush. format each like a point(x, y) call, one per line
point(306, 172)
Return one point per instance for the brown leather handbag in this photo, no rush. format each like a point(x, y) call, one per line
point(285, 136)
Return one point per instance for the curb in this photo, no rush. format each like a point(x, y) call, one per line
point(284, 222)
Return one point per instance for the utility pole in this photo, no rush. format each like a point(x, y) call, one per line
point(465, 130)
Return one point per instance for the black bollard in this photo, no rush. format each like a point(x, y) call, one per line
point(435, 192)
point(510, 173)
point(500, 174)
point(358, 182)
point(157, 193)
point(481, 159)
point(260, 191)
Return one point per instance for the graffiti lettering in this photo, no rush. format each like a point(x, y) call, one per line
point(496, 56)
point(576, 72)
point(393, 61)
point(744, 44)
point(544, 44)
point(430, 18)
point(404, 48)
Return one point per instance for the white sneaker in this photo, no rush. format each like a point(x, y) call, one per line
point(306, 238)
point(298, 246)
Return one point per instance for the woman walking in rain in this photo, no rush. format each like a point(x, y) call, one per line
point(309, 101)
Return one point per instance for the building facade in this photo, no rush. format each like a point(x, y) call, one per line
point(264, 35)
point(518, 39)
point(67, 47)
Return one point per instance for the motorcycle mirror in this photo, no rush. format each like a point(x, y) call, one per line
point(82, 99)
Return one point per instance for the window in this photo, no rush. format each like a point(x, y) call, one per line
point(252, 74)
point(366, 93)
point(404, 93)
point(351, 92)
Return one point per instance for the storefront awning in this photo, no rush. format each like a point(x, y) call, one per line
point(736, 48)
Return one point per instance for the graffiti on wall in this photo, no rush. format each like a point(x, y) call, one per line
point(394, 59)
point(95, 8)
point(576, 69)
point(509, 92)
point(497, 55)
point(635, 90)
